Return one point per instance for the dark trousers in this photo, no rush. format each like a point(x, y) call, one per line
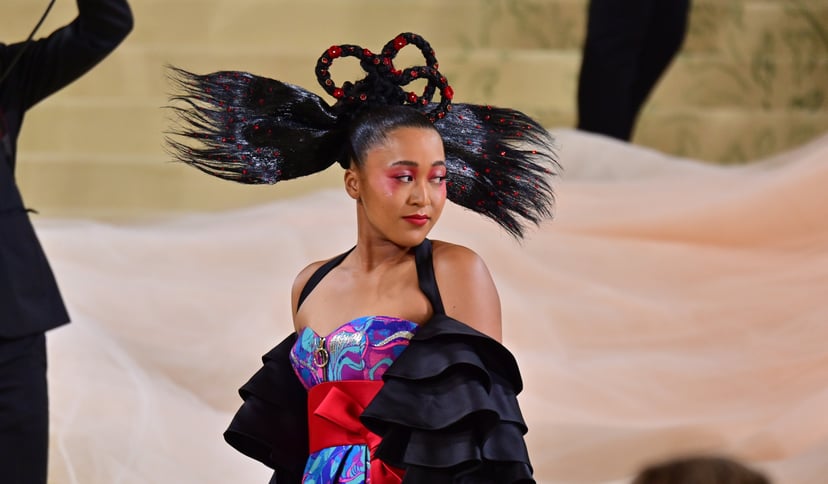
point(24, 410)
point(629, 44)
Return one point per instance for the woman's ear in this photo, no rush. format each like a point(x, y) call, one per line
point(352, 183)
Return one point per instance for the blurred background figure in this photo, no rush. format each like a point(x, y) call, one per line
point(700, 470)
point(30, 303)
point(629, 44)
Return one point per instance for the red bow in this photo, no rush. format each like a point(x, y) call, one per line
point(333, 417)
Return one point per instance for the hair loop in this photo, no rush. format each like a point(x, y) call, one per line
point(383, 83)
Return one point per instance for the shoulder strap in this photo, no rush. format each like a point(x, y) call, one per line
point(425, 276)
point(320, 273)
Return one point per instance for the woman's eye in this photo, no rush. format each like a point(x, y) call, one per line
point(439, 179)
point(405, 178)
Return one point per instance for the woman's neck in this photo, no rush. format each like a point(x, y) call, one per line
point(372, 253)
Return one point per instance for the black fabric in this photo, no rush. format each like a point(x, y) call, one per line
point(629, 44)
point(425, 276)
point(24, 410)
point(447, 411)
point(29, 297)
point(272, 424)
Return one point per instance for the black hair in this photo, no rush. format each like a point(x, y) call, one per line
point(251, 129)
point(372, 128)
point(700, 469)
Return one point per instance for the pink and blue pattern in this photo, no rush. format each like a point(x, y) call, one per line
point(361, 349)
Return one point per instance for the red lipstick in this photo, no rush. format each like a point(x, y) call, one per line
point(417, 219)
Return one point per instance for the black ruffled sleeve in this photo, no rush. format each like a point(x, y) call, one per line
point(448, 411)
point(271, 425)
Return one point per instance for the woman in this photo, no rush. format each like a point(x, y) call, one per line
point(401, 376)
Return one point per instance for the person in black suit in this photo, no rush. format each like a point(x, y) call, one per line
point(629, 44)
point(30, 303)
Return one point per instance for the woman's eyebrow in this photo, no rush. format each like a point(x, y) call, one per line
point(415, 164)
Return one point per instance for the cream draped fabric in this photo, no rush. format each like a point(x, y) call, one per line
point(671, 307)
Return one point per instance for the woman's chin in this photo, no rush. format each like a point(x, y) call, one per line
point(411, 238)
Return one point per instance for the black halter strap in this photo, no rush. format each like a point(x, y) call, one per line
point(319, 274)
point(425, 276)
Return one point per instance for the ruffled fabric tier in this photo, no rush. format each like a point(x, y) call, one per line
point(448, 412)
point(271, 426)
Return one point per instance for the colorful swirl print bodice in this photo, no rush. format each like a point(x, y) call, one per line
point(361, 349)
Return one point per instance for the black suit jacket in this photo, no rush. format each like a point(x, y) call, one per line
point(29, 298)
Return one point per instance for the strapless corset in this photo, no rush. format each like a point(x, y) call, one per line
point(361, 349)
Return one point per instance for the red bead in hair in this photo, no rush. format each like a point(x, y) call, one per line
point(334, 51)
point(400, 42)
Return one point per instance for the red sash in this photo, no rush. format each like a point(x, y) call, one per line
point(333, 419)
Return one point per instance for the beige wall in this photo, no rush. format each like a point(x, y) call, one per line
point(752, 80)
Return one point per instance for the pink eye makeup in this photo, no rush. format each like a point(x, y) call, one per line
point(402, 175)
point(406, 172)
point(437, 172)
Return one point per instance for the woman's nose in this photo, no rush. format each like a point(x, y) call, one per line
point(419, 194)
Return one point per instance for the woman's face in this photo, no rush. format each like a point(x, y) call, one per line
point(400, 187)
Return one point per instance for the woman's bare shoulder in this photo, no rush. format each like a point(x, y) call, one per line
point(462, 261)
point(451, 253)
point(466, 287)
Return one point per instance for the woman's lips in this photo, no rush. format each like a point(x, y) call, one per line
point(417, 219)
